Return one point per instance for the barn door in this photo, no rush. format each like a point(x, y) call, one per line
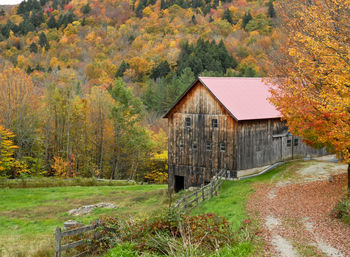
point(287, 145)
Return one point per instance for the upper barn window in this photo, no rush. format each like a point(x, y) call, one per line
point(296, 142)
point(214, 123)
point(222, 147)
point(188, 122)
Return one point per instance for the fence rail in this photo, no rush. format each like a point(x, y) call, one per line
point(74, 232)
point(189, 202)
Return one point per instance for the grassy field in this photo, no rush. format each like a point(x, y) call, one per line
point(29, 216)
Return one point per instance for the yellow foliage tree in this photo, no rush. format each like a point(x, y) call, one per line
point(9, 166)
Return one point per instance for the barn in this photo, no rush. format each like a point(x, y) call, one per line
point(226, 123)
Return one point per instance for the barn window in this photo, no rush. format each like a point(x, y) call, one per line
point(214, 123)
point(289, 142)
point(222, 147)
point(296, 142)
point(181, 144)
point(208, 146)
point(194, 145)
point(188, 122)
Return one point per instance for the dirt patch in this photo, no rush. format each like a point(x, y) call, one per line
point(283, 246)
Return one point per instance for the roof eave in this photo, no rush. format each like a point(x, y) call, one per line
point(165, 116)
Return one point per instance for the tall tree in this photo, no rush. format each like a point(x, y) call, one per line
point(126, 113)
point(17, 104)
point(313, 92)
point(100, 104)
point(227, 16)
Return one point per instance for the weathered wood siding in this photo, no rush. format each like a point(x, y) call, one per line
point(258, 145)
point(199, 165)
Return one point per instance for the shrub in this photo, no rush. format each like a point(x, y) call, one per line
point(122, 250)
point(171, 233)
point(342, 210)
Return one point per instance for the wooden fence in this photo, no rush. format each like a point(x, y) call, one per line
point(189, 202)
point(74, 232)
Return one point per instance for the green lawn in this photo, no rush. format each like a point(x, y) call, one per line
point(29, 216)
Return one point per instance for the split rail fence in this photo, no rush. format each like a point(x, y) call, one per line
point(189, 202)
point(60, 235)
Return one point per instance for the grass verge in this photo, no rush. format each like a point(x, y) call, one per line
point(37, 182)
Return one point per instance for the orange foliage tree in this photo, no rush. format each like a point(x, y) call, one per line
point(312, 72)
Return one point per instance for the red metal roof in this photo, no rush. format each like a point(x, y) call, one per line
point(244, 98)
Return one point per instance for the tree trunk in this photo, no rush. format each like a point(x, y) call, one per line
point(115, 155)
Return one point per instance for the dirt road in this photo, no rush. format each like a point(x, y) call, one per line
point(295, 211)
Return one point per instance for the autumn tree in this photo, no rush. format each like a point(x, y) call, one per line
point(311, 71)
point(17, 104)
point(9, 166)
point(100, 105)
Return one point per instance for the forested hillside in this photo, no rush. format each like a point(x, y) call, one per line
point(84, 83)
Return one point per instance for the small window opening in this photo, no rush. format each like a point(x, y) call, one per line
point(214, 123)
point(296, 142)
point(289, 142)
point(188, 122)
point(194, 145)
point(181, 144)
point(222, 147)
point(208, 146)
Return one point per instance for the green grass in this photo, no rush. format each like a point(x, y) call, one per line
point(30, 215)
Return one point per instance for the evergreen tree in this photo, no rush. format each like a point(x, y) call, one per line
point(52, 23)
point(163, 5)
point(43, 2)
point(271, 10)
point(161, 70)
point(227, 16)
point(26, 26)
point(142, 4)
point(37, 18)
point(205, 55)
point(122, 68)
point(43, 42)
point(5, 30)
point(86, 9)
point(211, 18)
point(2, 12)
point(246, 18)
point(194, 21)
point(22, 8)
point(33, 48)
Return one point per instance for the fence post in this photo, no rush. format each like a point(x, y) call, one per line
point(203, 196)
point(58, 242)
point(211, 190)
